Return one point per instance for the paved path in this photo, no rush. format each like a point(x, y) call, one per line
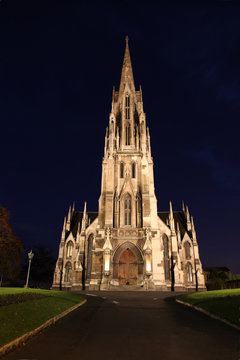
point(133, 325)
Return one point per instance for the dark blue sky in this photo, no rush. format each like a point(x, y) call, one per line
point(58, 64)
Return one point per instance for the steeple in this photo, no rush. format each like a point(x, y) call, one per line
point(127, 73)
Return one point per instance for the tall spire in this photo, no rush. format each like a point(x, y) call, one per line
point(127, 73)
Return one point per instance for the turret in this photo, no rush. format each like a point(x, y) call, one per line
point(148, 142)
point(63, 230)
point(188, 219)
point(171, 219)
point(69, 219)
point(84, 219)
point(194, 237)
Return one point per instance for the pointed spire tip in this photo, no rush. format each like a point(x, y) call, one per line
point(127, 39)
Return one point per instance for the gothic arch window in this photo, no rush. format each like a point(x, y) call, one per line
point(189, 272)
point(68, 272)
point(127, 134)
point(69, 249)
point(187, 248)
point(127, 210)
point(133, 170)
point(121, 170)
point(166, 257)
point(127, 107)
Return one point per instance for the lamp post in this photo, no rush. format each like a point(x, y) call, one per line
point(148, 256)
point(30, 256)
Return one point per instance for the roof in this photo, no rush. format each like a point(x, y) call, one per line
point(179, 217)
point(77, 217)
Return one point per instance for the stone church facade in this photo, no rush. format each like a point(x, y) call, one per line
point(128, 244)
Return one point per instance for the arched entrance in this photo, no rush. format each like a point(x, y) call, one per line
point(128, 268)
point(128, 264)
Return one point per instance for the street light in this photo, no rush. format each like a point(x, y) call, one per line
point(30, 256)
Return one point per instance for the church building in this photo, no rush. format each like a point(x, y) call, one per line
point(128, 244)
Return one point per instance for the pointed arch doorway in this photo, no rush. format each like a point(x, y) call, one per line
point(128, 268)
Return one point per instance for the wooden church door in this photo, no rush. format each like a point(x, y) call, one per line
point(128, 268)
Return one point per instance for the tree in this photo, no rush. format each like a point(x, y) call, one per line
point(11, 248)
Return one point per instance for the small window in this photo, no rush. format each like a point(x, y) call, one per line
point(189, 273)
point(127, 134)
point(187, 250)
point(121, 170)
point(127, 210)
point(69, 249)
point(133, 170)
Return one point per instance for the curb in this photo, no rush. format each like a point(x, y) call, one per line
point(22, 339)
point(208, 314)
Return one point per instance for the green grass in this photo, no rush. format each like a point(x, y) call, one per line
point(223, 303)
point(19, 318)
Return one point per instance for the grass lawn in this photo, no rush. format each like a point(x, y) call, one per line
point(223, 303)
point(18, 318)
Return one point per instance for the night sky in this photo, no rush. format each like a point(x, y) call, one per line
point(58, 64)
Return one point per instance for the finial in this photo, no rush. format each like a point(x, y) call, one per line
point(126, 38)
point(171, 211)
point(183, 206)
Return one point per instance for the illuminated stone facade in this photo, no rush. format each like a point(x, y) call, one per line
point(128, 244)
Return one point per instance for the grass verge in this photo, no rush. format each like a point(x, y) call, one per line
point(222, 303)
point(20, 318)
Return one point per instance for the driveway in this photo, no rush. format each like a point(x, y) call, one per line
point(133, 325)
